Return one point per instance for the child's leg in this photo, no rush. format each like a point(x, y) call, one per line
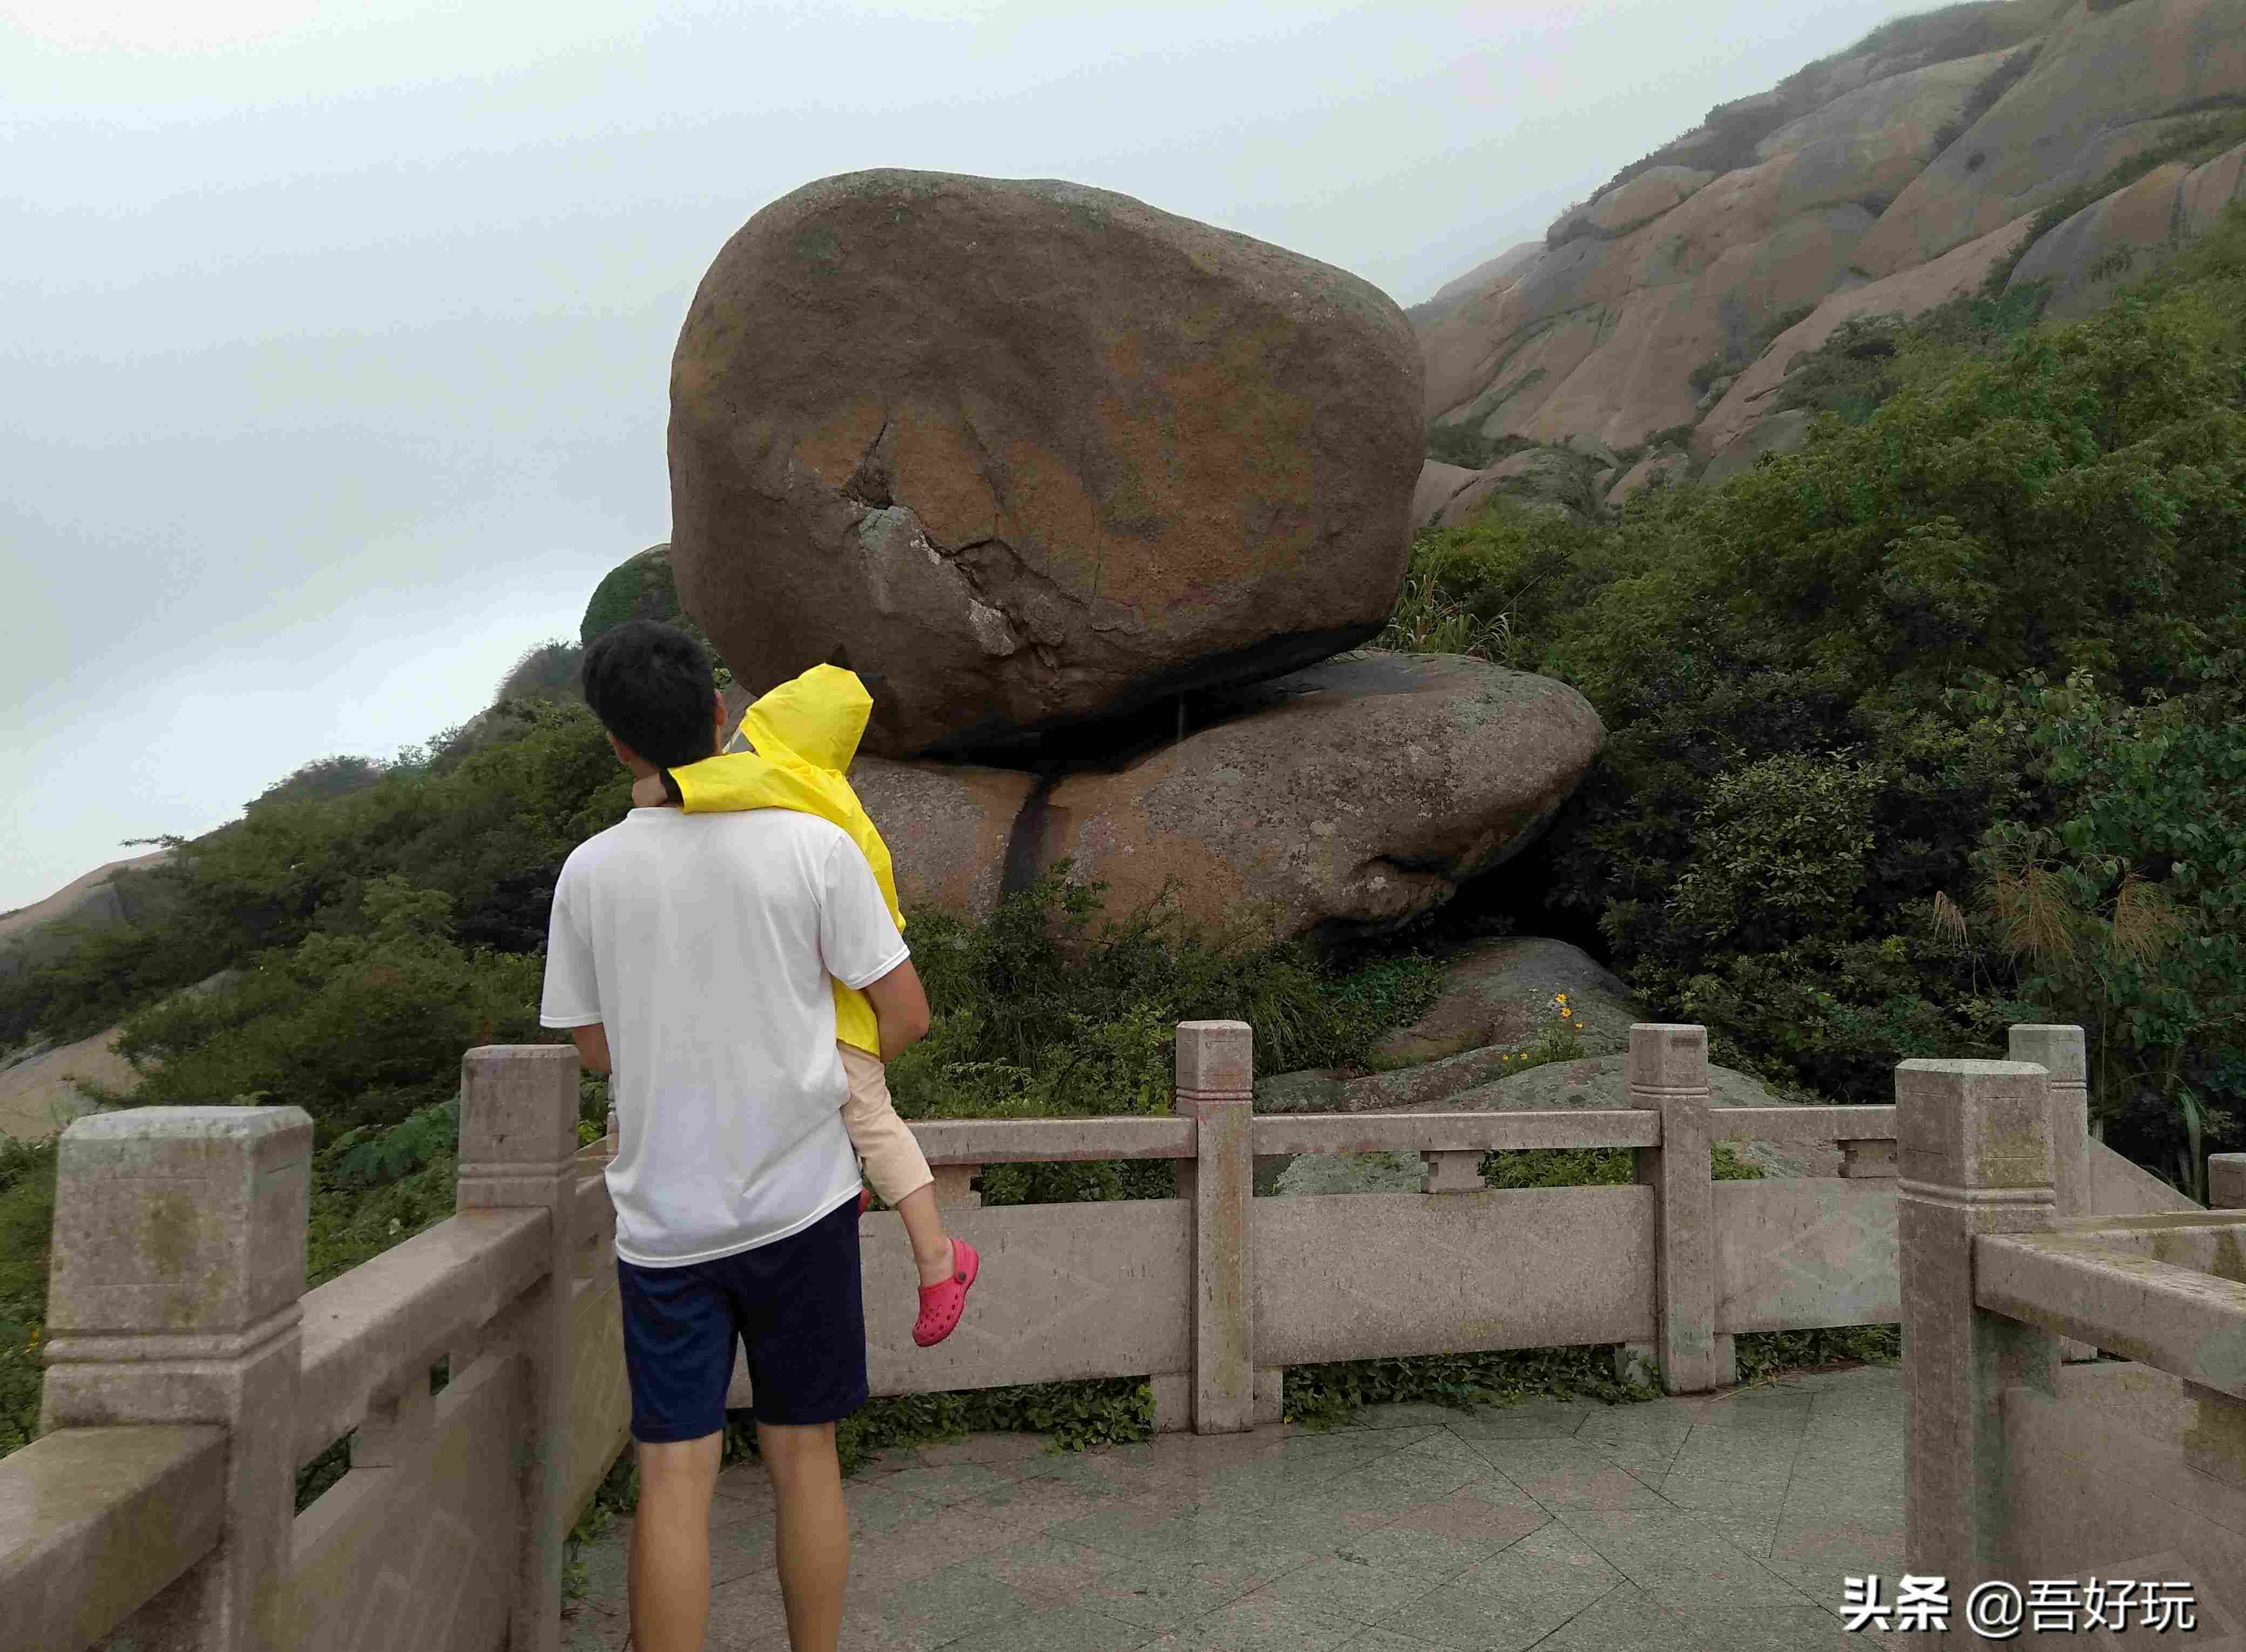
point(893, 1162)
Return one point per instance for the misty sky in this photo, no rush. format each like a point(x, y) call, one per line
point(335, 338)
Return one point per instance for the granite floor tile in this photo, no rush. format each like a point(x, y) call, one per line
point(1046, 1566)
point(1261, 1625)
point(1244, 1547)
point(1416, 1414)
point(1834, 1527)
point(593, 1631)
point(1495, 1511)
point(1737, 1478)
point(1567, 1473)
point(932, 1609)
point(1624, 1619)
point(1436, 1556)
point(1667, 1550)
point(1725, 1626)
point(1116, 1528)
point(1166, 1596)
point(1050, 1628)
point(1769, 1410)
point(747, 1482)
point(742, 1551)
point(1036, 1504)
point(1531, 1419)
point(1643, 1440)
point(1477, 1620)
point(1552, 1563)
point(946, 1483)
point(916, 1548)
point(1361, 1498)
point(745, 1613)
point(872, 1507)
point(1006, 1453)
point(1389, 1641)
point(1451, 1447)
point(1495, 1531)
point(1360, 1590)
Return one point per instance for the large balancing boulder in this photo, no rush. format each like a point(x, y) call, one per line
point(1021, 452)
point(1348, 797)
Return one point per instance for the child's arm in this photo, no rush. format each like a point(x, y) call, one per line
point(900, 1009)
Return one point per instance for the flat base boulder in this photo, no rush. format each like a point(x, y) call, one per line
point(1347, 797)
point(948, 827)
point(1500, 992)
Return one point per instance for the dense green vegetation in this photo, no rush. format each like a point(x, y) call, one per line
point(1936, 725)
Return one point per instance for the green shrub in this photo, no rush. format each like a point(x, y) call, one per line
point(1458, 445)
point(1797, 763)
point(357, 1028)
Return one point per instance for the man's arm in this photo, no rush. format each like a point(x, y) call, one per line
point(900, 1009)
point(592, 1041)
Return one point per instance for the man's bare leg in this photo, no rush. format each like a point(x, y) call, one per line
point(669, 1564)
point(814, 1539)
point(931, 1250)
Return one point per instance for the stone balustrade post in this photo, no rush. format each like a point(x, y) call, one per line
point(2226, 1181)
point(1453, 1172)
point(955, 1184)
point(2061, 1052)
point(1871, 1158)
point(519, 1152)
point(1667, 1072)
point(1215, 1085)
point(176, 1286)
point(1976, 1159)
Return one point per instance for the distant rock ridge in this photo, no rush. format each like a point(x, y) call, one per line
point(1885, 180)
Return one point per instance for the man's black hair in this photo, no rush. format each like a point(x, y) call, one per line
point(650, 684)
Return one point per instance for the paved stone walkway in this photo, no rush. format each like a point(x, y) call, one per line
point(1715, 1524)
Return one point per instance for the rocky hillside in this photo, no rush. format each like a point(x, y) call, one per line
point(1983, 148)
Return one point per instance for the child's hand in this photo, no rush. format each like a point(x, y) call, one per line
point(647, 791)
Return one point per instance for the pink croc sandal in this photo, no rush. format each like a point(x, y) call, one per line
point(865, 1200)
point(940, 1304)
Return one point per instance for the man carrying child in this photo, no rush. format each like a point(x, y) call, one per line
point(694, 957)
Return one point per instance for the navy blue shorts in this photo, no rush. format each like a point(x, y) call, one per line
point(795, 1304)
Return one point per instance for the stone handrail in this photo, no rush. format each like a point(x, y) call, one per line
point(1802, 1126)
point(2027, 1456)
point(387, 1321)
point(2183, 1320)
point(1279, 1133)
point(121, 1511)
point(998, 1141)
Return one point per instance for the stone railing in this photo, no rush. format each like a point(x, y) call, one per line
point(2022, 1466)
point(1212, 1293)
point(191, 1376)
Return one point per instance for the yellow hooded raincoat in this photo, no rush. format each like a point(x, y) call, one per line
point(792, 752)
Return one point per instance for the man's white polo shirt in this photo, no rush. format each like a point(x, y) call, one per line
point(704, 942)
